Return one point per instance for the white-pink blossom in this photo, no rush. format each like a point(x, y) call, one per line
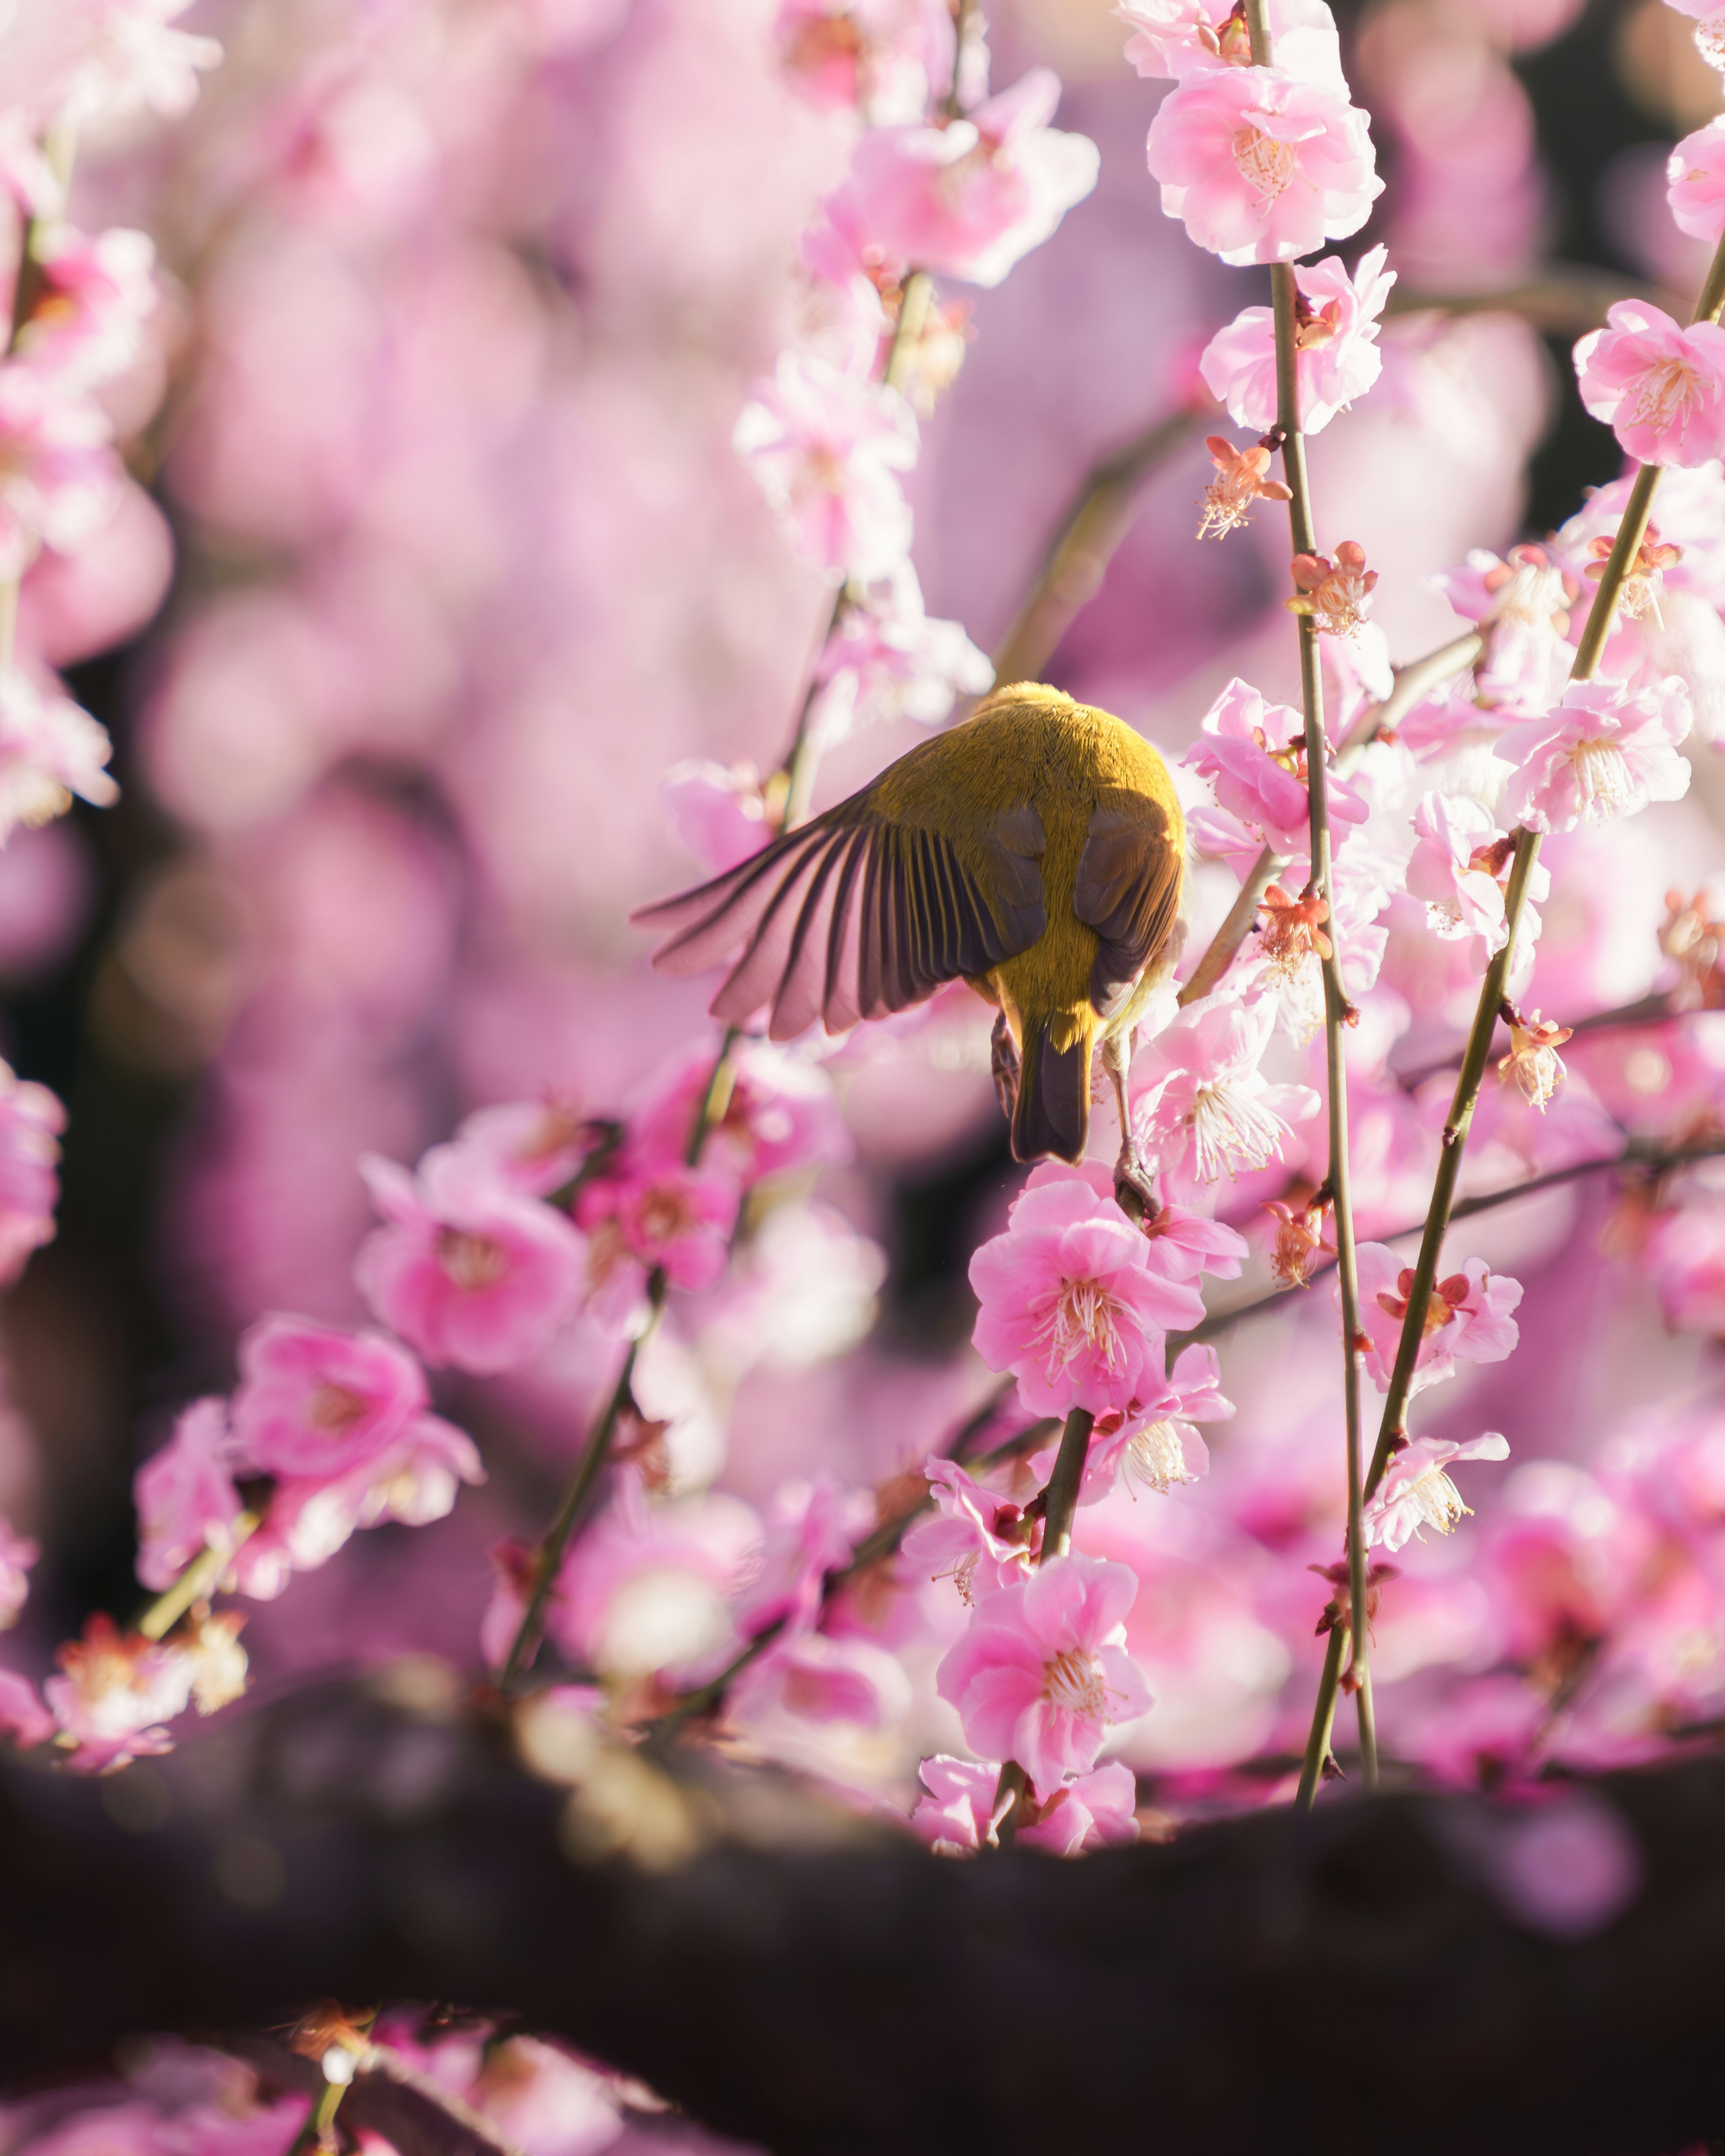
point(1041, 1673)
point(1696, 171)
point(1090, 1811)
point(826, 449)
point(971, 199)
point(1601, 752)
point(1416, 1491)
point(17, 1553)
point(131, 58)
point(978, 1540)
point(60, 477)
point(1459, 865)
point(1261, 167)
point(889, 658)
point(88, 325)
point(1337, 342)
point(1467, 1316)
point(1660, 386)
point(31, 1120)
point(884, 59)
point(717, 811)
point(185, 1495)
point(1171, 39)
point(50, 748)
point(1202, 1108)
point(1254, 754)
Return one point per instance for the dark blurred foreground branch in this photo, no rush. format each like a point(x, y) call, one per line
point(808, 1981)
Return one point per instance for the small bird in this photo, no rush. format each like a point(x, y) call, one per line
point(1037, 851)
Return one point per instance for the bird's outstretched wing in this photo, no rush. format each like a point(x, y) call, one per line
point(858, 914)
point(1128, 891)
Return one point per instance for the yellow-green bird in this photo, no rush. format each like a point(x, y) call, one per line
point(1037, 852)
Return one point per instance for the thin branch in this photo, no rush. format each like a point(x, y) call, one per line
point(198, 1579)
point(1645, 1010)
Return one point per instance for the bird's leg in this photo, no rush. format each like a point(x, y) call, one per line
point(1134, 1185)
point(1004, 1062)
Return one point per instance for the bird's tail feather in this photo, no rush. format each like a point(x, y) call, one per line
point(1052, 1113)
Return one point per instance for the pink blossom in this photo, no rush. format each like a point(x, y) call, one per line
point(971, 199)
point(23, 1718)
point(825, 449)
point(817, 1679)
point(59, 479)
point(717, 811)
point(1262, 167)
point(116, 1692)
point(1562, 1559)
point(884, 59)
point(1602, 751)
point(1074, 1303)
point(650, 1589)
point(533, 1146)
point(1695, 170)
point(313, 1401)
point(1155, 1443)
point(1416, 1491)
point(50, 748)
point(1338, 341)
point(31, 1120)
point(655, 1212)
point(1659, 386)
point(465, 1269)
point(185, 1495)
point(17, 1553)
point(132, 58)
point(811, 1530)
point(1254, 754)
point(1207, 1110)
point(888, 659)
point(1468, 1317)
point(1191, 1244)
point(779, 1115)
point(976, 1539)
point(1175, 38)
point(1482, 1733)
point(1458, 866)
point(98, 293)
point(1092, 1811)
point(1041, 1672)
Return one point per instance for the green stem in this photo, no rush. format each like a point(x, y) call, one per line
point(1317, 1742)
point(197, 1581)
point(315, 2133)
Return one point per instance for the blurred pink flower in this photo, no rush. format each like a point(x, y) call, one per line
point(1697, 173)
point(971, 199)
point(978, 1540)
point(1254, 753)
point(1175, 38)
point(467, 1270)
point(884, 59)
point(1601, 752)
point(652, 1212)
point(1684, 1254)
point(50, 748)
point(23, 1717)
point(716, 810)
point(31, 1120)
point(1261, 167)
point(314, 1402)
point(779, 1116)
point(819, 1679)
point(130, 58)
point(115, 1692)
point(1338, 341)
point(1482, 1733)
point(17, 1553)
point(647, 1589)
point(1659, 386)
point(1468, 1316)
point(825, 449)
point(185, 1495)
point(1416, 1491)
point(1074, 1303)
point(533, 1146)
point(1561, 1559)
point(1041, 1674)
point(60, 477)
point(1206, 1109)
point(88, 325)
point(888, 659)
point(810, 1530)
point(1091, 1811)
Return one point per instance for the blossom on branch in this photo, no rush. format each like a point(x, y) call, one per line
point(1602, 751)
point(1460, 865)
point(185, 1495)
point(1467, 1316)
point(1175, 38)
point(1090, 1811)
point(1261, 167)
point(1336, 342)
point(978, 1540)
point(1076, 1302)
point(885, 58)
point(1416, 1491)
point(1207, 1110)
point(1254, 754)
point(826, 449)
point(1041, 1673)
point(60, 477)
point(1242, 478)
point(1696, 171)
point(50, 748)
point(1153, 1442)
point(1660, 386)
point(971, 199)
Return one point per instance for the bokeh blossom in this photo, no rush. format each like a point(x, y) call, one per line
point(827, 450)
